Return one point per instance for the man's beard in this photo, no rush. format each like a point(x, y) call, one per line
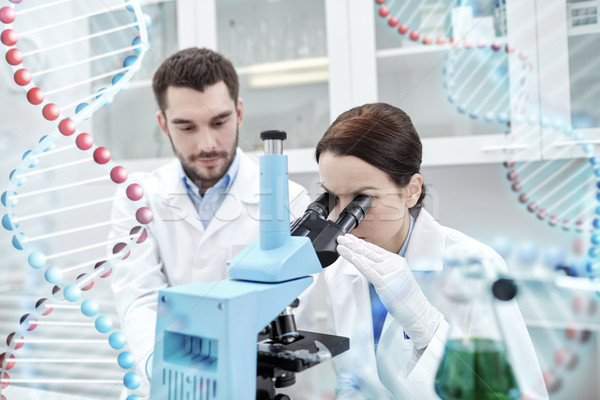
point(198, 176)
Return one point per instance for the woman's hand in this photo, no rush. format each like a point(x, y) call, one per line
point(396, 286)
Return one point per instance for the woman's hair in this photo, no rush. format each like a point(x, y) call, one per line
point(381, 135)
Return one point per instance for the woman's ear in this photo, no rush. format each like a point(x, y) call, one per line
point(414, 190)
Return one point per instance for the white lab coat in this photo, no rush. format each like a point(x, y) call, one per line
point(179, 250)
point(397, 370)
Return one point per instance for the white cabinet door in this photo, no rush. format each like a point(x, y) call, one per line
point(461, 70)
point(569, 82)
point(280, 50)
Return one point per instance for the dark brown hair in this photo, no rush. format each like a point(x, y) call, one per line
point(194, 68)
point(381, 135)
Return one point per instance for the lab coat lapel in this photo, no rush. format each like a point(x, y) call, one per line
point(357, 325)
point(243, 193)
point(354, 290)
point(176, 203)
point(424, 253)
point(425, 250)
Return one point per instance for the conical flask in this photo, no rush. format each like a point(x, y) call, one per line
point(475, 365)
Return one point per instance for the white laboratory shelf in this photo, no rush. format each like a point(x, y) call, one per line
point(151, 2)
point(412, 50)
point(284, 66)
point(584, 30)
point(547, 324)
point(419, 48)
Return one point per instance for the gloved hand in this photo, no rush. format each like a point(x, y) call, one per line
point(396, 286)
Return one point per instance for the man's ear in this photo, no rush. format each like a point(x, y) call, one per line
point(240, 112)
point(162, 122)
point(414, 190)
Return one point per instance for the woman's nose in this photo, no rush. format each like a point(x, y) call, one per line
point(337, 210)
point(334, 214)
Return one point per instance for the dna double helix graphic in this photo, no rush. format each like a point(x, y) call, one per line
point(476, 77)
point(70, 58)
point(488, 79)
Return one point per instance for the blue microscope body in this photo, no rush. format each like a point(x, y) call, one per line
point(206, 333)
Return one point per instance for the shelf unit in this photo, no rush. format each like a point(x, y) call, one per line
point(304, 94)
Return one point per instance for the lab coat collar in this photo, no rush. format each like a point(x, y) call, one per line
point(173, 195)
point(246, 185)
point(244, 192)
point(425, 250)
point(427, 243)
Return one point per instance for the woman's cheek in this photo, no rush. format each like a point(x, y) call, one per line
point(362, 229)
point(391, 208)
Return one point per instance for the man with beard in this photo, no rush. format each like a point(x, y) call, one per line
point(205, 203)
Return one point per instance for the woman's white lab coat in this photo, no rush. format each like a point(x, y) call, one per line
point(179, 250)
point(398, 370)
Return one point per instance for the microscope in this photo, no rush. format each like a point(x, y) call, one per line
point(206, 333)
point(282, 349)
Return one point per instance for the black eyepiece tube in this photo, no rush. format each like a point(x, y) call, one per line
point(354, 212)
point(321, 205)
point(322, 232)
point(318, 209)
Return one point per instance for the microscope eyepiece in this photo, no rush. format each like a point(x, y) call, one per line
point(354, 212)
point(322, 232)
point(321, 205)
point(317, 210)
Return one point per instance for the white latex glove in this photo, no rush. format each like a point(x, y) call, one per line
point(396, 286)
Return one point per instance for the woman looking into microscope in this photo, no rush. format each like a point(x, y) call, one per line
point(375, 289)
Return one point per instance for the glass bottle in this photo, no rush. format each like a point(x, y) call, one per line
point(475, 364)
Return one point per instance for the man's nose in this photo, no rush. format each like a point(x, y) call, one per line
point(207, 140)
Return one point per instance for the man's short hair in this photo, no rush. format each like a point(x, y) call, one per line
point(194, 68)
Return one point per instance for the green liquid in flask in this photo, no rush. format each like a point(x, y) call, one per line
point(477, 369)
